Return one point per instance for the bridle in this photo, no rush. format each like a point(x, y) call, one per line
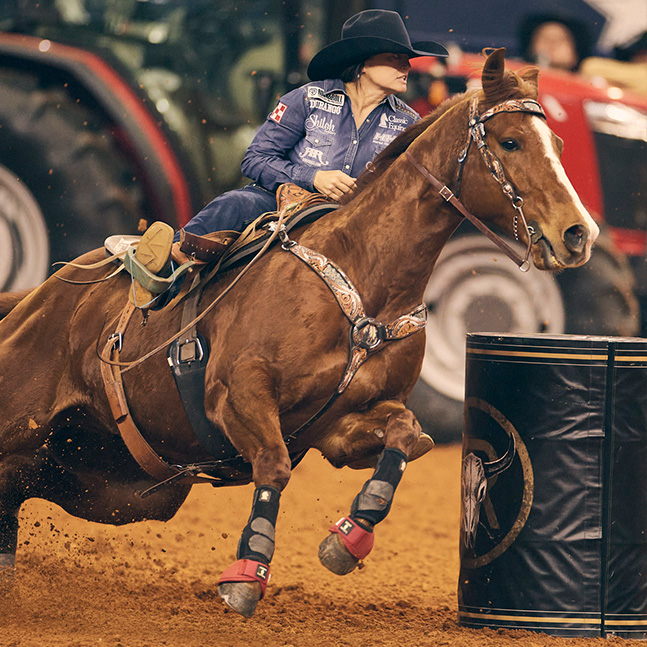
point(476, 134)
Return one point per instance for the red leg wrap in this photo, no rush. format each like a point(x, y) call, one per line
point(247, 570)
point(358, 541)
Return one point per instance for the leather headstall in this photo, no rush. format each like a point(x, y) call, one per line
point(476, 134)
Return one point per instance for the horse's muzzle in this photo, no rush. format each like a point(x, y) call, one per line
point(575, 239)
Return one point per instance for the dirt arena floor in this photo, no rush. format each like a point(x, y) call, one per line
point(154, 584)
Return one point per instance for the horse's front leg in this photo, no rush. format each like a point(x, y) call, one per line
point(351, 538)
point(252, 423)
point(243, 584)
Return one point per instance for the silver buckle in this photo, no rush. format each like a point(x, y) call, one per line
point(117, 340)
point(190, 350)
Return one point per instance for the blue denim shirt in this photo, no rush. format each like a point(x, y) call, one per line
point(312, 128)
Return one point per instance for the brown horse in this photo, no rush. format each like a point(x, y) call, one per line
point(279, 342)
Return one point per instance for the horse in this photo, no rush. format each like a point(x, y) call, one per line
point(279, 340)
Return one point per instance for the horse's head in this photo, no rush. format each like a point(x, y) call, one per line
point(518, 174)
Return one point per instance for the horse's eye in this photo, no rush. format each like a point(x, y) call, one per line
point(510, 145)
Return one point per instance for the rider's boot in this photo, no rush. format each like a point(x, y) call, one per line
point(153, 252)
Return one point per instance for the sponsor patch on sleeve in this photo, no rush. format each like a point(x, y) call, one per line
point(278, 112)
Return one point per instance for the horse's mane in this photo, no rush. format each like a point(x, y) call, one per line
point(511, 86)
point(383, 160)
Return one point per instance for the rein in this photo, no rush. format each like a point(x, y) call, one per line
point(476, 134)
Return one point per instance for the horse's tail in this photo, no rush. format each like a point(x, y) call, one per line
point(9, 300)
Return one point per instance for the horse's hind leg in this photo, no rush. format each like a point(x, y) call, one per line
point(24, 476)
point(351, 538)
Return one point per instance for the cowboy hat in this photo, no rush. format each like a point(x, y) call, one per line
point(366, 34)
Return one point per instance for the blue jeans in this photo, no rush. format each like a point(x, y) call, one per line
point(232, 210)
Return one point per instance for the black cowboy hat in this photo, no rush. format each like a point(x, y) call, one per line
point(366, 34)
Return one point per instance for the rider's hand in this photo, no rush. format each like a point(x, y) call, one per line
point(333, 184)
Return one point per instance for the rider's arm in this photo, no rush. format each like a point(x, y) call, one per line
point(266, 160)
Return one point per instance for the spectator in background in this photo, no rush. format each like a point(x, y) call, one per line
point(635, 51)
point(627, 71)
point(554, 40)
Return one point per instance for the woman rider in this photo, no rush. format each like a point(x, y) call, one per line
point(320, 136)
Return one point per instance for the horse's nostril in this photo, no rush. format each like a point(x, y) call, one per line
point(575, 238)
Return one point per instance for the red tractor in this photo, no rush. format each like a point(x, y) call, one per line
point(115, 114)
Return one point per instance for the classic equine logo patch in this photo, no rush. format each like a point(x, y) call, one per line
point(261, 571)
point(346, 527)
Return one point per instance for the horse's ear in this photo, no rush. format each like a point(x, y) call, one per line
point(531, 75)
point(493, 69)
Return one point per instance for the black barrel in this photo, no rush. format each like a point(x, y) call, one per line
point(554, 485)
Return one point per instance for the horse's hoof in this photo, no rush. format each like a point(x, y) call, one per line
point(241, 597)
point(334, 555)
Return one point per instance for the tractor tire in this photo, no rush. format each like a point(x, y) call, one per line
point(476, 288)
point(602, 294)
point(64, 183)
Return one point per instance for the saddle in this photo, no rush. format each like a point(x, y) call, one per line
point(188, 354)
point(291, 201)
point(221, 249)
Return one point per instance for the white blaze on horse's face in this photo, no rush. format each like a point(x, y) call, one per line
point(546, 137)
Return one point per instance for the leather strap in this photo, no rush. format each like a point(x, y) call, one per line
point(447, 194)
point(207, 248)
point(358, 541)
point(137, 445)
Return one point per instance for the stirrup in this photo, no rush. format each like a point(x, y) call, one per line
point(149, 257)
